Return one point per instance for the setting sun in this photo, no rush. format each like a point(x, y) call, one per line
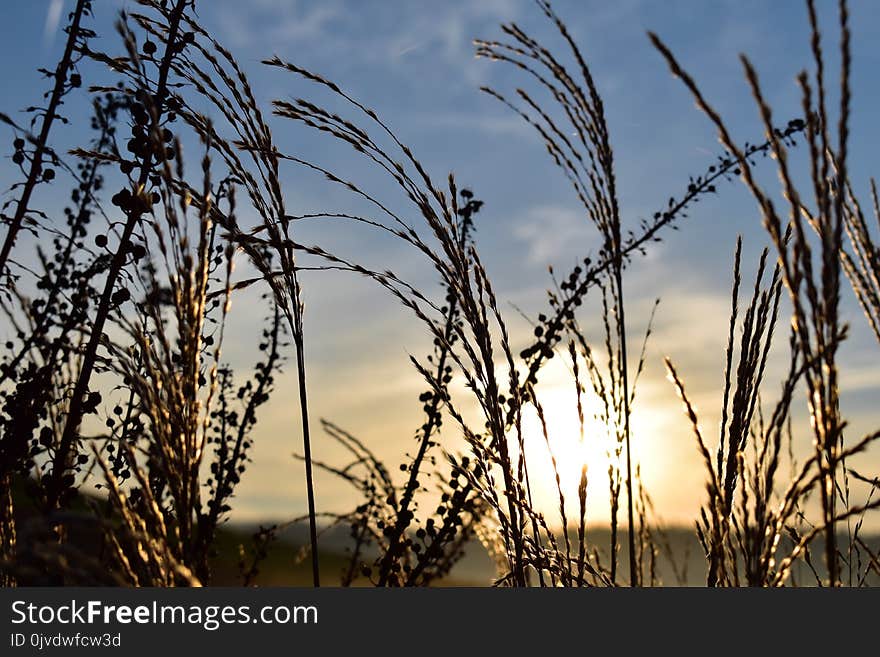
point(572, 449)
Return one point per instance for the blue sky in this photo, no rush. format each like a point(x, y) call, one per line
point(413, 63)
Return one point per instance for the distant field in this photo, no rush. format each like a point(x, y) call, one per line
point(286, 566)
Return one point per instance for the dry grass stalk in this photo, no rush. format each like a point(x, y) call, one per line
point(812, 279)
point(134, 202)
point(65, 79)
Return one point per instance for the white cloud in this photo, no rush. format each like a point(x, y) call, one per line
point(504, 125)
point(53, 17)
point(272, 22)
point(552, 232)
point(379, 33)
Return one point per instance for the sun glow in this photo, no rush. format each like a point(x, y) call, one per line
point(561, 437)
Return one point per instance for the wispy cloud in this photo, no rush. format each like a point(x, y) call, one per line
point(553, 232)
point(505, 125)
point(271, 23)
point(395, 30)
point(53, 17)
point(408, 49)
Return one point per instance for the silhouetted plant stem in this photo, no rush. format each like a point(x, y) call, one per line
point(134, 215)
point(412, 483)
point(7, 528)
point(234, 100)
point(621, 327)
point(44, 315)
point(815, 295)
point(36, 169)
point(307, 454)
point(704, 184)
point(431, 424)
point(229, 463)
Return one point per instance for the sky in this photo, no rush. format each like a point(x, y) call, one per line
point(413, 62)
